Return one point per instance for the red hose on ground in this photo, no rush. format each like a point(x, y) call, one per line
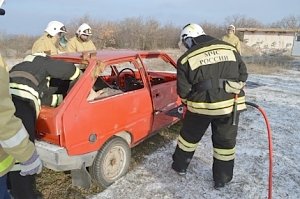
point(270, 146)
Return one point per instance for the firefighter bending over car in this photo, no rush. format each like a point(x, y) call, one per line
point(81, 41)
point(29, 87)
point(209, 76)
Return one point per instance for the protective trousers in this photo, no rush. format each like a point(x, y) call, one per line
point(223, 139)
point(3, 188)
point(24, 187)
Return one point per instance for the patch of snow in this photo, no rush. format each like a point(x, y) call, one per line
point(279, 96)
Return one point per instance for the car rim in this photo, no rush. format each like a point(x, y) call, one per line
point(114, 163)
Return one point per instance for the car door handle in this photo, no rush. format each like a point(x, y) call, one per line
point(155, 93)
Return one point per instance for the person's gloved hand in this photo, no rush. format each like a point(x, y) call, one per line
point(234, 87)
point(31, 166)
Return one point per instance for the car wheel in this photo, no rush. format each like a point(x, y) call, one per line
point(111, 162)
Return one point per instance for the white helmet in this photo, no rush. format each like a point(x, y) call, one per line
point(231, 27)
point(55, 27)
point(187, 34)
point(191, 30)
point(2, 11)
point(84, 29)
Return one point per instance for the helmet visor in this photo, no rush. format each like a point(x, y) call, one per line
point(183, 45)
point(63, 29)
point(87, 32)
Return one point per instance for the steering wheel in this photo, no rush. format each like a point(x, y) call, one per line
point(121, 71)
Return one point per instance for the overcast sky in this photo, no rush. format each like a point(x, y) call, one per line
point(32, 16)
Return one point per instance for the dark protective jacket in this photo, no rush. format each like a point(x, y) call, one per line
point(202, 72)
point(30, 79)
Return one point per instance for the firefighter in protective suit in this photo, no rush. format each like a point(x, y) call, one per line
point(29, 86)
point(81, 41)
point(232, 39)
point(209, 75)
point(14, 139)
point(53, 41)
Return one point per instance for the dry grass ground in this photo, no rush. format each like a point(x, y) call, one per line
point(54, 185)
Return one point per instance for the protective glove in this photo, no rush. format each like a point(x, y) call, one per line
point(234, 87)
point(31, 166)
point(56, 100)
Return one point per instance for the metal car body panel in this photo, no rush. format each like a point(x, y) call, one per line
point(77, 128)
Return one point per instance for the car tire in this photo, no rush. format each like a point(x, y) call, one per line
point(111, 162)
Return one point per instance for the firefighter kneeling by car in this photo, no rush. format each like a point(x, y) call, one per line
point(29, 87)
point(209, 76)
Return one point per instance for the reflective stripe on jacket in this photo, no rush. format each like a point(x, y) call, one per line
point(26, 92)
point(210, 59)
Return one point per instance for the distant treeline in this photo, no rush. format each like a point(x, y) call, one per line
point(137, 33)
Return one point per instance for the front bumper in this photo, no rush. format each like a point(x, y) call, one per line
point(56, 158)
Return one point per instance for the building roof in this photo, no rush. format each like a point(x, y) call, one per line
point(275, 30)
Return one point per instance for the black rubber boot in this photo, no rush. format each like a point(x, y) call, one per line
point(219, 185)
point(181, 172)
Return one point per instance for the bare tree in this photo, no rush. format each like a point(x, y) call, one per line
point(168, 36)
point(138, 33)
point(16, 45)
point(106, 34)
point(240, 21)
point(130, 33)
point(152, 34)
point(147, 34)
point(290, 22)
point(212, 29)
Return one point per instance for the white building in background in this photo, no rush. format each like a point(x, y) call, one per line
point(271, 40)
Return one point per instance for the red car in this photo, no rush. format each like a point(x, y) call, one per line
point(121, 98)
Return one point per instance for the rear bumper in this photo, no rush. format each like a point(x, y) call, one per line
point(56, 158)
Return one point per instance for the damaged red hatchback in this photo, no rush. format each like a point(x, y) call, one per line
point(121, 98)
